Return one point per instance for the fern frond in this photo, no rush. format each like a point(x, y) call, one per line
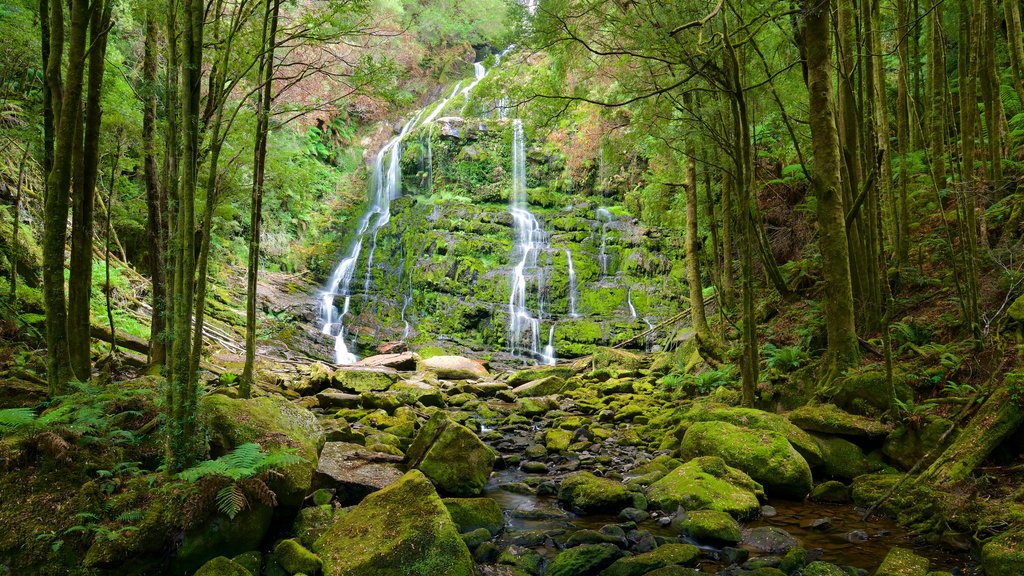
point(231, 500)
point(244, 457)
point(204, 469)
point(258, 488)
point(279, 459)
point(13, 418)
point(130, 516)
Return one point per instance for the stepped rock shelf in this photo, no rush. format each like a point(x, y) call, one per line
point(440, 466)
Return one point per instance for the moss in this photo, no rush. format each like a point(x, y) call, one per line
point(831, 491)
point(710, 526)
point(294, 558)
point(707, 484)
point(830, 419)
point(537, 373)
point(616, 359)
point(557, 440)
point(251, 561)
point(311, 523)
point(589, 494)
point(525, 559)
point(665, 555)
point(866, 392)
point(403, 529)
point(903, 562)
point(1004, 555)
point(363, 379)
point(221, 535)
point(222, 566)
point(905, 446)
point(819, 568)
point(473, 513)
point(273, 422)
point(757, 420)
point(451, 456)
point(765, 455)
point(584, 559)
point(844, 459)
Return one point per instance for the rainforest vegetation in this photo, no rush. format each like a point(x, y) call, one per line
point(512, 288)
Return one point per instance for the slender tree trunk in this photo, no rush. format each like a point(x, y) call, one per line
point(155, 213)
point(83, 199)
point(48, 120)
point(698, 319)
point(728, 300)
point(716, 257)
point(903, 138)
point(12, 254)
point(169, 200)
point(66, 100)
point(838, 300)
point(990, 92)
point(256, 201)
point(111, 196)
point(1014, 45)
point(937, 98)
point(917, 87)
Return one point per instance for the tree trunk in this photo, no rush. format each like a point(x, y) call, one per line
point(83, 199)
point(154, 203)
point(728, 300)
point(256, 201)
point(903, 138)
point(1014, 45)
point(838, 300)
point(937, 98)
point(698, 319)
point(990, 93)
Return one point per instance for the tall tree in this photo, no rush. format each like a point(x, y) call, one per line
point(156, 200)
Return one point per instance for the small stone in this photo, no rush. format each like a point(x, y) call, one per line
point(769, 511)
point(769, 539)
point(634, 514)
point(534, 467)
point(819, 524)
point(857, 536)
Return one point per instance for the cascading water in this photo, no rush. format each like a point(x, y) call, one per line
point(530, 240)
point(549, 351)
point(572, 285)
point(629, 300)
point(605, 217)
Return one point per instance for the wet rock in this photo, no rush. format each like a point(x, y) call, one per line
point(903, 562)
point(402, 361)
point(588, 494)
point(359, 379)
point(1004, 555)
point(403, 529)
point(675, 571)
point(537, 373)
point(543, 387)
point(454, 368)
point(525, 559)
point(616, 359)
point(663, 556)
point(472, 513)
point(417, 392)
point(581, 537)
point(634, 514)
point(867, 393)
point(769, 539)
point(334, 398)
point(354, 471)
point(294, 558)
point(709, 526)
point(534, 467)
point(832, 491)
point(475, 538)
point(765, 455)
point(868, 489)
point(830, 419)
point(857, 536)
point(818, 524)
point(311, 523)
point(451, 456)
point(557, 440)
point(483, 389)
point(769, 511)
point(585, 559)
point(820, 568)
point(753, 419)
point(536, 451)
point(538, 511)
point(222, 566)
point(641, 541)
point(732, 555)
point(486, 553)
point(707, 483)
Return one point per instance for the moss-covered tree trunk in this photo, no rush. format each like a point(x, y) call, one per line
point(838, 300)
point(903, 138)
point(937, 97)
point(698, 319)
point(155, 203)
point(1015, 45)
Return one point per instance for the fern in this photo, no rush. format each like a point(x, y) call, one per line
point(130, 516)
point(15, 418)
point(240, 467)
point(231, 500)
point(784, 357)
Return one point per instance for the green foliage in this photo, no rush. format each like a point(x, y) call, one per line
point(784, 357)
point(909, 334)
point(243, 463)
point(91, 527)
point(15, 418)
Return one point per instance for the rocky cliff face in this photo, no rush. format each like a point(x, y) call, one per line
point(442, 274)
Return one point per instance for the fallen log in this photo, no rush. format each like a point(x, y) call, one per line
point(126, 341)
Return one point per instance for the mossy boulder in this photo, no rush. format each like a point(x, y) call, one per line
point(584, 559)
point(866, 393)
point(903, 562)
point(222, 566)
point(311, 523)
point(588, 494)
point(537, 373)
point(868, 489)
point(451, 456)
point(221, 535)
point(833, 491)
point(906, 445)
point(522, 558)
point(819, 568)
point(1004, 555)
point(763, 454)
point(769, 539)
point(616, 359)
point(830, 419)
point(710, 526)
point(844, 459)
point(756, 420)
point(661, 557)
point(402, 530)
point(359, 379)
point(354, 471)
point(557, 439)
point(272, 422)
point(417, 392)
point(543, 387)
point(470, 514)
point(295, 558)
point(707, 483)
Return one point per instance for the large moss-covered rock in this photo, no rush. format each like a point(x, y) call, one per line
point(402, 530)
point(756, 420)
point(830, 419)
point(844, 459)
point(707, 484)
point(1004, 555)
point(537, 373)
point(272, 422)
point(293, 557)
point(710, 526)
point(454, 367)
point(665, 555)
point(866, 393)
point(354, 471)
point(907, 445)
point(616, 359)
point(584, 559)
point(311, 523)
point(221, 535)
point(359, 379)
point(765, 455)
point(820, 568)
point(473, 513)
point(222, 566)
point(903, 562)
point(589, 494)
point(451, 456)
point(543, 387)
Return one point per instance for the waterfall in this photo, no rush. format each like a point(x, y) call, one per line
point(530, 240)
point(572, 285)
point(605, 217)
point(444, 102)
point(548, 357)
point(629, 300)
